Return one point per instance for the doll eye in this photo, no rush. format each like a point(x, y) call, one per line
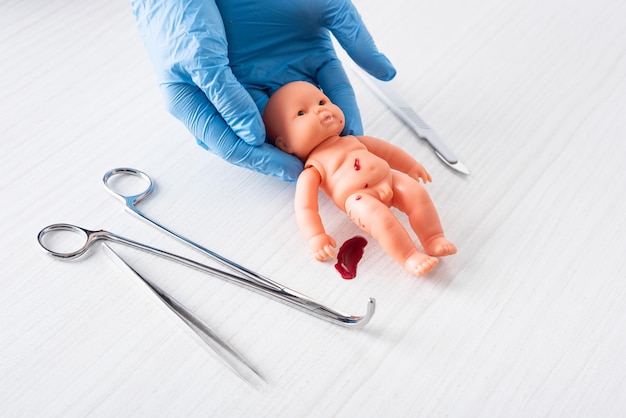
point(300, 112)
point(322, 102)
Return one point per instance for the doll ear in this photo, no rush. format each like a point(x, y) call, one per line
point(281, 144)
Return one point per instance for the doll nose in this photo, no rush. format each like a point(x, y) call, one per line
point(325, 115)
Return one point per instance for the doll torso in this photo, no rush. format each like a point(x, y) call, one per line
point(347, 167)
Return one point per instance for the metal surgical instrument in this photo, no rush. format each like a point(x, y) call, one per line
point(388, 95)
point(243, 275)
point(234, 359)
point(265, 287)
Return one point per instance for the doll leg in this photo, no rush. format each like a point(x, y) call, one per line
point(376, 218)
point(411, 198)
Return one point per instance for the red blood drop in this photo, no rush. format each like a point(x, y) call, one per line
point(349, 256)
point(357, 164)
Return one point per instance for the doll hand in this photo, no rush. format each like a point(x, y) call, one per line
point(322, 246)
point(188, 48)
point(419, 172)
point(273, 42)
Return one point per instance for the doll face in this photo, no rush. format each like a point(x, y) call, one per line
point(299, 117)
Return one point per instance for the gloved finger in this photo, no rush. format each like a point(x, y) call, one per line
point(187, 43)
point(260, 97)
point(336, 85)
point(265, 159)
point(189, 104)
point(232, 101)
point(344, 21)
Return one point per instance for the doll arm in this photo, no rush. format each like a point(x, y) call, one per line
point(397, 158)
point(308, 217)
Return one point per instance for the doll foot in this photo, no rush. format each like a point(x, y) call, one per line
point(420, 264)
point(439, 247)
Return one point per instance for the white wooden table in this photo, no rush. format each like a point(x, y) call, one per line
point(528, 319)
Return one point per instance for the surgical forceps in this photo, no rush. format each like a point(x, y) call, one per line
point(240, 275)
point(233, 358)
point(200, 328)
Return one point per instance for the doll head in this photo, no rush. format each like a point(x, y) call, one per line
point(298, 117)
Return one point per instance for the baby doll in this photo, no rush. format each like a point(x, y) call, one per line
point(364, 176)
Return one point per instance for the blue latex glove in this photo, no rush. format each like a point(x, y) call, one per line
point(270, 42)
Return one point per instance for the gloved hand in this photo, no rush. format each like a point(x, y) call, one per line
point(265, 44)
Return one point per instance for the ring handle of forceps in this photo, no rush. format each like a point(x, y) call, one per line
point(283, 294)
point(129, 200)
point(89, 236)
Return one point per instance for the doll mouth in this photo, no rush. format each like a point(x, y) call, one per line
point(327, 118)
